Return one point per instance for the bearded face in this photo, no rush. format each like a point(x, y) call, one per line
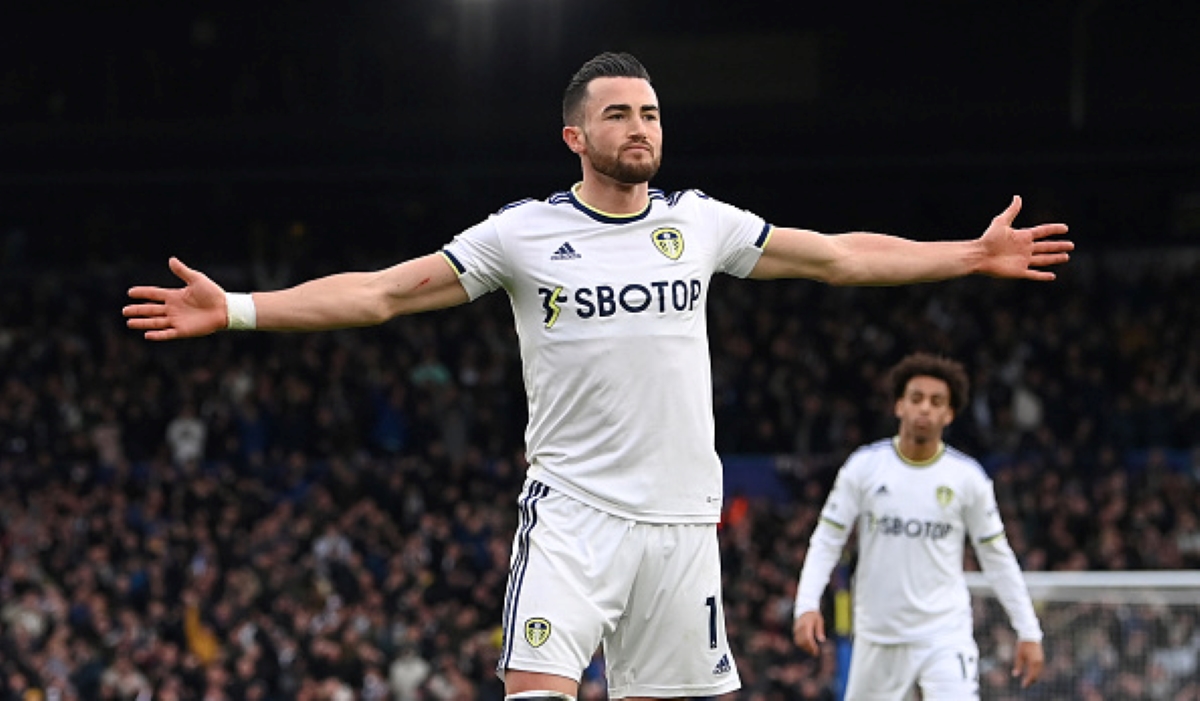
point(631, 163)
point(618, 131)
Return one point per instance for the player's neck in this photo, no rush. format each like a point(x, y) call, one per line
point(917, 452)
point(611, 197)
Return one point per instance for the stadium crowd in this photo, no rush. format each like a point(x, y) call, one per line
point(329, 516)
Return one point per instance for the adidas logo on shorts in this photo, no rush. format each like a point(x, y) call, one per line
point(723, 667)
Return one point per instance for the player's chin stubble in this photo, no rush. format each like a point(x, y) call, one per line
point(626, 173)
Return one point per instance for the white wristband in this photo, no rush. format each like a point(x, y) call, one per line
point(240, 308)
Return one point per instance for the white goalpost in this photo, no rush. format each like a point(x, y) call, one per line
point(1109, 635)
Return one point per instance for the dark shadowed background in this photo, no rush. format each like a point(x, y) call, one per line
point(300, 516)
point(363, 132)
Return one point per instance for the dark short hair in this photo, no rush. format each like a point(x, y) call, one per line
point(605, 65)
point(928, 365)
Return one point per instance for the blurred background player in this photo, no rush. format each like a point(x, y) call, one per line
point(915, 501)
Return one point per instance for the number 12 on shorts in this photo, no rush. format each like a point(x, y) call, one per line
point(969, 665)
point(711, 603)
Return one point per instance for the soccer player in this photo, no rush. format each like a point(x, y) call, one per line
point(915, 501)
point(617, 541)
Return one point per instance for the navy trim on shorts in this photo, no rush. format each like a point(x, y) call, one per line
point(528, 510)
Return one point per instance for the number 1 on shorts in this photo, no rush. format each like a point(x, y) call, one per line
point(711, 602)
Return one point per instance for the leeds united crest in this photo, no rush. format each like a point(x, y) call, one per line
point(669, 242)
point(537, 631)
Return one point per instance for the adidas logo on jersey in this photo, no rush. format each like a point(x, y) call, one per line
point(565, 252)
point(723, 667)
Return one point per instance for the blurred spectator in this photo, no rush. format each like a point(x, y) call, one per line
point(122, 680)
point(407, 673)
point(186, 435)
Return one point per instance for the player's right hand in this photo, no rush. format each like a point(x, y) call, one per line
point(809, 632)
point(197, 309)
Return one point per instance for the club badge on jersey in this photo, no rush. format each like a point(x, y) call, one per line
point(668, 241)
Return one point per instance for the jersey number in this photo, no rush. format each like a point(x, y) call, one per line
point(970, 670)
point(711, 603)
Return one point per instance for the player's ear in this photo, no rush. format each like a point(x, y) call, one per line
point(573, 138)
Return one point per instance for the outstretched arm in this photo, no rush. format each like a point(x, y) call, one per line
point(336, 301)
point(880, 259)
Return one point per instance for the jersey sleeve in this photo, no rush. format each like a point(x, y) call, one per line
point(743, 235)
point(999, 563)
point(828, 538)
point(478, 257)
point(982, 514)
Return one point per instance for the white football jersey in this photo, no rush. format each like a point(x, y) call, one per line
point(913, 520)
point(610, 311)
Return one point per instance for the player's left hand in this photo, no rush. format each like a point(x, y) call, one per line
point(1017, 253)
point(1030, 659)
point(809, 632)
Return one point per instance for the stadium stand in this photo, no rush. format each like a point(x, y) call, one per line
point(306, 517)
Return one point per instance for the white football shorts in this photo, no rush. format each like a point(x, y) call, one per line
point(946, 670)
point(649, 593)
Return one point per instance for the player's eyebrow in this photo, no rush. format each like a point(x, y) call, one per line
point(621, 107)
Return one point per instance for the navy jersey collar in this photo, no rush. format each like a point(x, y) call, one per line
point(606, 217)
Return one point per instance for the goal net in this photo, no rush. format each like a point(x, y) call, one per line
point(1108, 635)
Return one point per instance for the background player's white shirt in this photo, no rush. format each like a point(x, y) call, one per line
point(610, 311)
point(913, 519)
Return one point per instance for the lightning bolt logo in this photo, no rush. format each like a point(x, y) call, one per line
point(550, 301)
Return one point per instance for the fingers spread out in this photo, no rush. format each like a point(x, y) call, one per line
point(163, 335)
point(1008, 215)
point(1049, 259)
point(1043, 230)
point(144, 310)
point(156, 294)
point(181, 271)
point(1055, 246)
point(143, 323)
